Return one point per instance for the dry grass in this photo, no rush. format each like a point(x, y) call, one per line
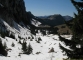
point(63, 29)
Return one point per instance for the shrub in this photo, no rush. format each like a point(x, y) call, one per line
point(12, 36)
point(13, 44)
point(28, 37)
point(32, 37)
point(19, 42)
point(51, 50)
point(39, 39)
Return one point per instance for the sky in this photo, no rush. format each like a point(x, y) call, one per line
point(50, 7)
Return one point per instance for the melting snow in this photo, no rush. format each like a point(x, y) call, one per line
point(48, 42)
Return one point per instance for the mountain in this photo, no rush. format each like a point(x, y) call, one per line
point(19, 39)
point(53, 20)
point(41, 45)
point(43, 17)
point(13, 10)
point(67, 18)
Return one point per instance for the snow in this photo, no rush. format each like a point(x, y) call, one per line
point(48, 42)
point(35, 23)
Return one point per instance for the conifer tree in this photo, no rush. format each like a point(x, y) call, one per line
point(29, 48)
point(26, 49)
point(76, 42)
point(2, 49)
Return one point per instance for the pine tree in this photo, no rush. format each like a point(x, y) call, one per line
point(26, 49)
point(24, 46)
point(76, 42)
point(2, 49)
point(29, 48)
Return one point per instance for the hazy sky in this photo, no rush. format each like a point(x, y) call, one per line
point(50, 7)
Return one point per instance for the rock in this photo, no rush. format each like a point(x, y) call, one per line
point(13, 10)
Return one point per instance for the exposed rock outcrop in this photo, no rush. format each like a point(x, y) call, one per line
point(13, 10)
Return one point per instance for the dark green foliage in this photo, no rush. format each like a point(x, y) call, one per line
point(29, 48)
point(12, 36)
point(28, 37)
point(13, 44)
point(2, 49)
point(69, 52)
point(7, 33)
point(66, 41)
point(24, 46)
point(39, 39)
point(19, 42)
point(2, 34)
point(19, 37)
point(51, 50)
point(69, 23)
point(5, 46)
point(76, 42)
point(32, 37)
point(26, 49)
point(38, 52)
point(43, 32)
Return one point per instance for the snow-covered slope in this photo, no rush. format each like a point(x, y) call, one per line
point(35, 22)
point(41, 50)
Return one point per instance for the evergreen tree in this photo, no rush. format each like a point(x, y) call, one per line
point(13, 44)
point(2, 49)
point(26, 49)
point(24, 46)
point(29, 48)
point(76, 42)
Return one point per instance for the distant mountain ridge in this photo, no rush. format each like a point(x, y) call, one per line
point(66, 17)
point(54, 20)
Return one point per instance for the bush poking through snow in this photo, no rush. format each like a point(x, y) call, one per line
point(19, 42)
point(2, 49)
point(38, 52)
point(28, 37)
point(12, 36)
point(32, 37)
point(51, 50)
point(39, 39)
point(26, 49)
point(19, 37)
point(13, 44)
